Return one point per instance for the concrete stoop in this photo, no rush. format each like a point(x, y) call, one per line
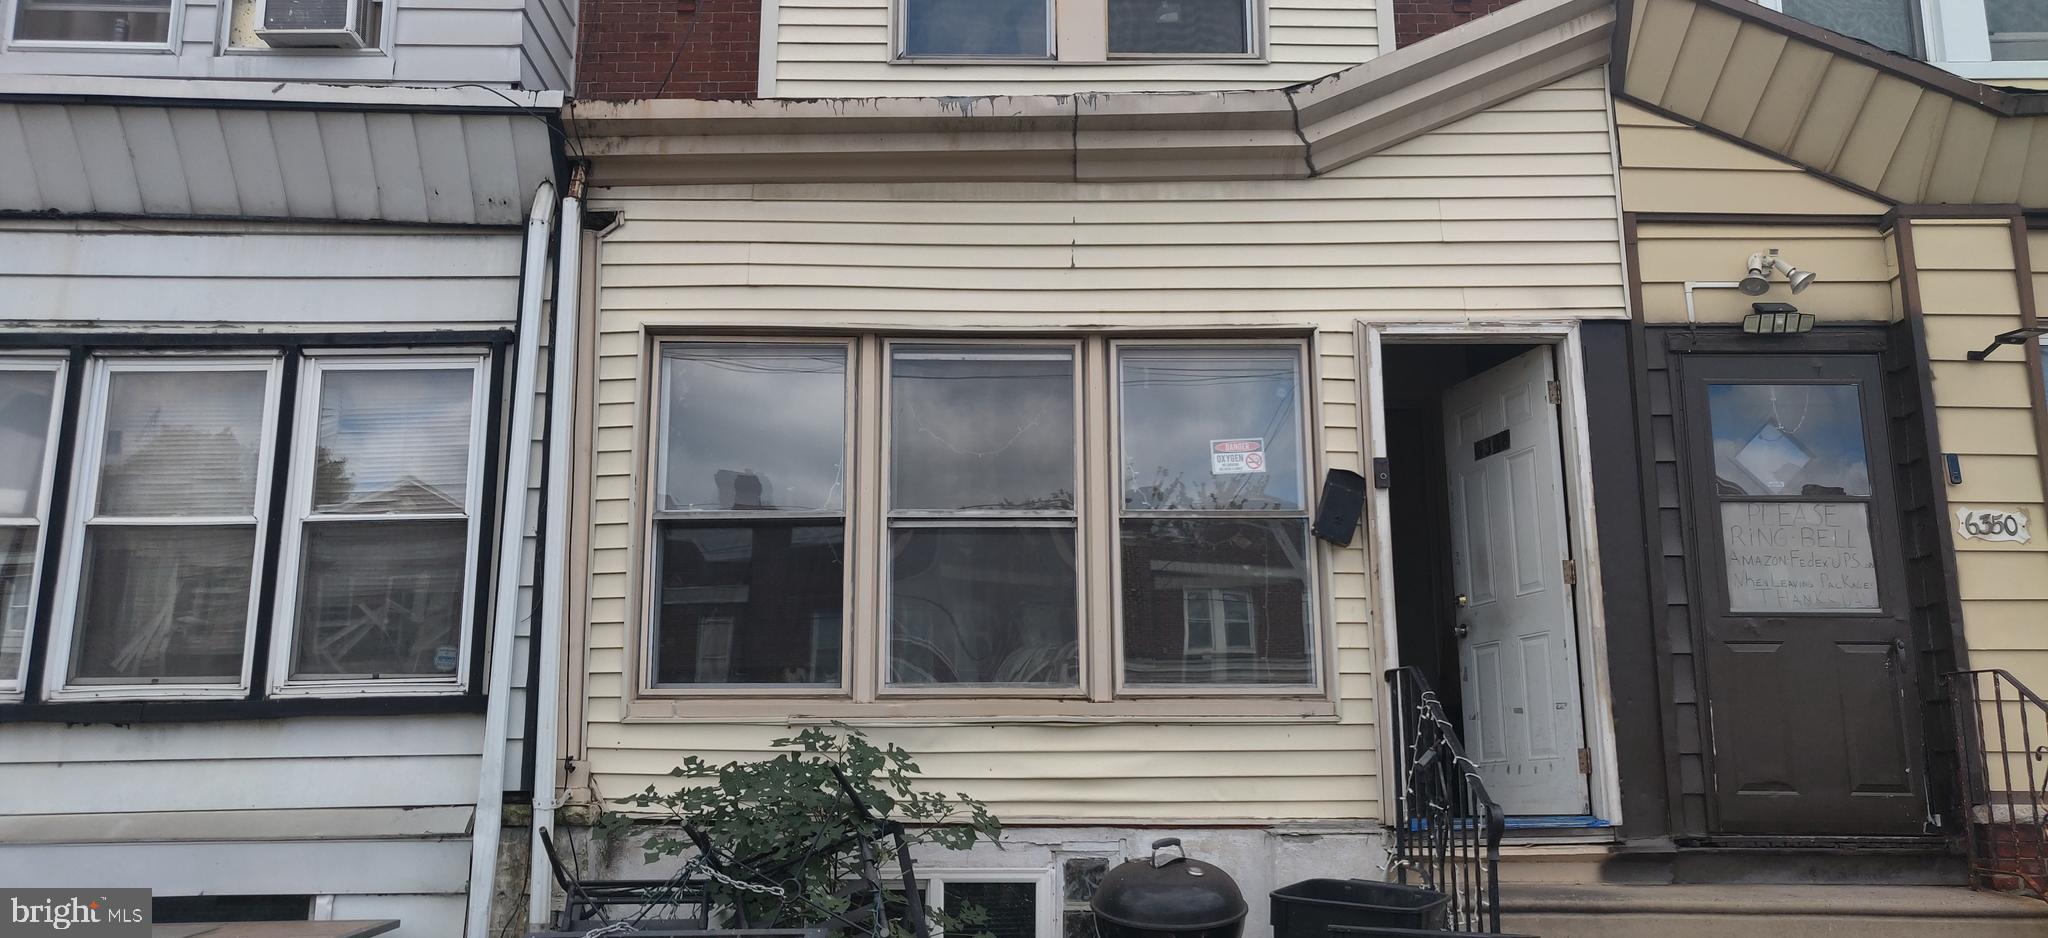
point(1555, 910)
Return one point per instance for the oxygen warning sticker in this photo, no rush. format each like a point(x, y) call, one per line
point(1236, 457)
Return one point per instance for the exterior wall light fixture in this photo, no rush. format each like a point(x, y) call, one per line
point(1759, 278)
point(1776, 319)
point(2020, 336)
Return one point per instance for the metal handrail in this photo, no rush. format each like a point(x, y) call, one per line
point(2004, 805)
point(1447, 829)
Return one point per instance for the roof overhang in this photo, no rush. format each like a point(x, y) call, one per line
point(1881, 124)
point(247, 151)
point(1284, 133)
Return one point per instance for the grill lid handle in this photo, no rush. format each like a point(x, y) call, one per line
point(1163, 842)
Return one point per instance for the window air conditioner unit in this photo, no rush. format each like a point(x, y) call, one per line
point(321, 24)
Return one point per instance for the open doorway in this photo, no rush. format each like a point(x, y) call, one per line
point(1482, 573)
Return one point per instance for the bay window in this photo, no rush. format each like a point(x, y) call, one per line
point(239, 525)
point(884, 519)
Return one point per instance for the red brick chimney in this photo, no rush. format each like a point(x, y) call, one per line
point(1416, 20)
point(628, 49)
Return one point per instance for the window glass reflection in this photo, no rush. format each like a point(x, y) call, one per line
point(977, 428)
point(1788, 439)
point(1211, 428)
point(975, 27)
point(753, 604)
point(983, 606)
point(1216, 602)
point(753, 427)
point(1886, 24)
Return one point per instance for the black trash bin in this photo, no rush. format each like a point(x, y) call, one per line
point(1308, 908)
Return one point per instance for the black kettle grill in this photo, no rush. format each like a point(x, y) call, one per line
point(1168, 896)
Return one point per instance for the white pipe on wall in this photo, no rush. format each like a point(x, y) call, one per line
point(547, 681)
point(490, 788)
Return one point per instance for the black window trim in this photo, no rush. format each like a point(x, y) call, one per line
point(257, 704)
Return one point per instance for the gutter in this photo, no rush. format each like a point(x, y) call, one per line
point(488, 820)
point(292, 95)
point(553, 564)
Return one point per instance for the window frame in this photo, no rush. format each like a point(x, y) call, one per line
point(80, 350)
point(84, 497)
point(891, 518)
point(298, 513)
point(1320, 630)
point(648, 540)
point(1044, 881)
point(863, 692)
point(173, 36)
point(14, 687)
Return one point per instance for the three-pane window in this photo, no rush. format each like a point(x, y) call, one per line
point(1019, 509)
point(165, 560)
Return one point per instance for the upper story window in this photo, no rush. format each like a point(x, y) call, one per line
point(216, 507)
point(1984, 39)
point(89, 22)
point(1042, 505)
point(1037, 29)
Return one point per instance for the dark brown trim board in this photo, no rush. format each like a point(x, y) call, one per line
point(1617, 51)
point(1996, 100)
point(1718, 134)
point(1916, 325)
point(1758, 218)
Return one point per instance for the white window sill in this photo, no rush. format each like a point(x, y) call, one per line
point(138, 48)
point(1993, 71)
point(983, 712)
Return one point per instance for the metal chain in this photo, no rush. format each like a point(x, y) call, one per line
point(770, 890)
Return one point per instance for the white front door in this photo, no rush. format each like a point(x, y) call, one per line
point(1518, 662)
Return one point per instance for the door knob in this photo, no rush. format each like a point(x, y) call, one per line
point(1462, 630)
point(1463, 600)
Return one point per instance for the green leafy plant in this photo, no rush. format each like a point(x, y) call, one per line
point(789, 822)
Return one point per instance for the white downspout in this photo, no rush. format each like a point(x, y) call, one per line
point(490, 788)
point(547, 682)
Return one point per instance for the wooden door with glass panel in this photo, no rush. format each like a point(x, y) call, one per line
point(1805, 641)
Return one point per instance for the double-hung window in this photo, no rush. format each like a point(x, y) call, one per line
point(30, 390)
point(1982, 39)
point(881, 519)
point(1086, 30)
point(323, 505)
point(160, 581)
point(381, 528)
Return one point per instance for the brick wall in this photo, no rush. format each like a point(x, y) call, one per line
point(1416, 20)
point(627, 49)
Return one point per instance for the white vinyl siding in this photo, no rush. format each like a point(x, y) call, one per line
point(430, 41)
point(548, 49)
point(316, 277)
point(372, 810)
point(1508, 214)
point(842, 48)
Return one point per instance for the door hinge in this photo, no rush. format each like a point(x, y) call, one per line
point(1585, 762)
point(1556, 393)
point(1571, 572)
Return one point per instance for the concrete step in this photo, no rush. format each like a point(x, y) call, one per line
point(1618, 865)
point(1767, 911)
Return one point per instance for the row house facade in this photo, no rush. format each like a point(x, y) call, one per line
point(275, 279)
point(970, 372)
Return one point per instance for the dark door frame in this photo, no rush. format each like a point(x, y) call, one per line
point(1855, 353)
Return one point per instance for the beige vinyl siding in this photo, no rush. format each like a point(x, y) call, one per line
point(1669, 167)
point(1507, 214)
point(1986, 416)
point(1856, 282)
point(842, 48)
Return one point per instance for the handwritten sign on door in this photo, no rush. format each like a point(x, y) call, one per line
point(1799, 557)
point(1993, 524)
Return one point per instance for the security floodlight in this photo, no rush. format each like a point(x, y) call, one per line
point(1800, 279)
point(1758, 282)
